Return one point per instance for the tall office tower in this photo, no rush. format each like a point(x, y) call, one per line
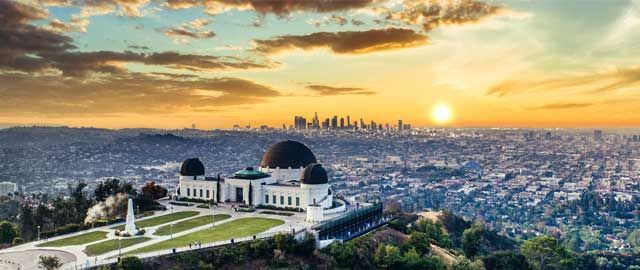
point(325, 124)
point(362, 125)
point(407, 127)
point(400, 125)
point(597, 135)
point(316, 121)
point(373, 125)
point(341, 122)
point(380, 126)
point(348, 121)
point(334, 122)
point(300, 123)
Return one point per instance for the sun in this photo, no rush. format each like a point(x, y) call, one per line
point(441, 114)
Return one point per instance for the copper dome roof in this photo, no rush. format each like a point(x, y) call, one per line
point(192, 167)
point(314, 174)
point(287, 154)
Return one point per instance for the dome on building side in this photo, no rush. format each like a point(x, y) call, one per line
point(192, 167)
point(314, 174)
point(287, 154)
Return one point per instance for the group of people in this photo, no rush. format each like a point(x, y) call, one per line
point(196, 244)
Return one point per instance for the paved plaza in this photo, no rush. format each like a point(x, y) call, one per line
point(25, 256)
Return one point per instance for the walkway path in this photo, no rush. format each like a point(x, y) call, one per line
point(74, 255)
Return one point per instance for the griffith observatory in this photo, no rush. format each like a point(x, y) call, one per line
point(288, 177)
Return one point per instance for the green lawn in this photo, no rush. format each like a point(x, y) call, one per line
point(189, 224)
point(233, 229)
point(76, 240)
point(155, 221)
point(110, 245)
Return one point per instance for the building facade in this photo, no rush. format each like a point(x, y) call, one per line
point(7, 187)
point(288, 176)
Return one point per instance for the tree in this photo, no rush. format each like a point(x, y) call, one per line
point(7, 232)
point(434, 231)
point(421, 242)
point(130, 263)
point(634, 238)
point(472, 239)
point(307, 245)
point(465, 264)
point(111, 187)
point(505, 260)
point(27, 225)
point(388, 257)
point(154, 190)
point(17, 241)
point(544, 253)
point(284, 242)
point(50, 262)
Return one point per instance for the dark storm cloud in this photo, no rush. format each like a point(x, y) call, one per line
point(14, 13)
point(325, 90)
point(29, 48)
point(352, 42)
point(278, 7)
point(125, 93)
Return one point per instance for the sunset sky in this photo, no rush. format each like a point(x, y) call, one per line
point(215, 63)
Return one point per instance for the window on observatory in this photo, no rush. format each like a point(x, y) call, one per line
point(297, 201)
point(289, 200)
point(188, 192)
point(207, 194)
point(282, 200)
point(200, 193)
point(266, 198)
point(274, 199)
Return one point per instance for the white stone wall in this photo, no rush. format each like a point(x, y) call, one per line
point(194, 187)
point(282, 195)
point(315, 214)
point(319, 193)
point(283, 175)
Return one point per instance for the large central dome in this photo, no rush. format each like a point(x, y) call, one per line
point(287, 154)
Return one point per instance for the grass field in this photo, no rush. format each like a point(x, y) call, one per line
point(155, 221)
point(111, 245)
point(233, 229)
point(189, 224)
point(76, 240)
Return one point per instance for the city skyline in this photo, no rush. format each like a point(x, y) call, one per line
point(465, 63)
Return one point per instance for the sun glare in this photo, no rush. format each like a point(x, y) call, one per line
point(441, 114)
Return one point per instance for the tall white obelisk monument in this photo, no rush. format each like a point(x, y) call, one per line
point(130, 226)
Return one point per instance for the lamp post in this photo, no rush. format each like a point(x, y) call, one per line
point(213, 217)
point(38, 232)
point(119, 247)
